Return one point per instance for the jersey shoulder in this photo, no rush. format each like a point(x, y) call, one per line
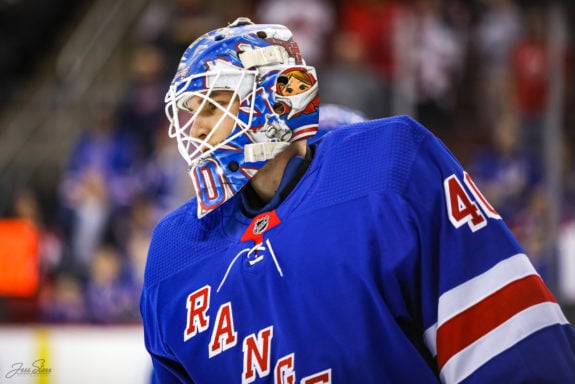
point(376, 155)
point(178, 239)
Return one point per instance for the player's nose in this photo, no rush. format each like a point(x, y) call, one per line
point(200, 129)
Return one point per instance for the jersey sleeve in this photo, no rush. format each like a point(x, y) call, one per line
point(488, 315)
point(166, 369)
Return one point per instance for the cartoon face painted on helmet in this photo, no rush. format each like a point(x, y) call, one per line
point(241, 95)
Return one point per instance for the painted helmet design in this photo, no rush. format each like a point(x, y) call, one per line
point(262, 68)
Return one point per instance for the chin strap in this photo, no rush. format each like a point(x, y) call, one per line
point(263, 151)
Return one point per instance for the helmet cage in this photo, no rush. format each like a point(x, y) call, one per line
point(181, 118)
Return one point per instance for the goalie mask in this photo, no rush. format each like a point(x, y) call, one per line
point(241, 95)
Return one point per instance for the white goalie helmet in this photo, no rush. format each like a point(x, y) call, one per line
point(271, 100)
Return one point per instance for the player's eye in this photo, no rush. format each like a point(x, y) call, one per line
point(289, 90)
point(302, 87)
point(209, 109)
point(219, 104)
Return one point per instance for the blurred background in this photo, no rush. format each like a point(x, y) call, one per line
point(86, 166)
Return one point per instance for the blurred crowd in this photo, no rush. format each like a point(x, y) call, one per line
point(480, 74)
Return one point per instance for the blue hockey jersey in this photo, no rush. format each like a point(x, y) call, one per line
point(384, 264)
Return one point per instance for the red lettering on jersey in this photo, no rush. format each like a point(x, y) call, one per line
point(257, 355)
point(321, 377)
point(284, 372)
point(197, 304)
point(224, 335)
point(460, 208)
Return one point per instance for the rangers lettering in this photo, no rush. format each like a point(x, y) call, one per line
point(197, 304)
point(284, 372)
point(323, 377)
point(257, 355)
point(224, 335)
point(256, 350)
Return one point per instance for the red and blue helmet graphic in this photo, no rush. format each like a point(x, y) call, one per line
point(261, 66)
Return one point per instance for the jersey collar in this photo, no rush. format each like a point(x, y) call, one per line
point(296, 167)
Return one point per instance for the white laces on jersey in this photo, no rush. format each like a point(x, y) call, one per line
point(253, 257)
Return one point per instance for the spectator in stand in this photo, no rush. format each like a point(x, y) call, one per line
point(171, 24)
point(531, 227)
point(62, 299)
point(438, 55)
point(375, 23)
point(136, 234)
point(161, 175)
point(568, 178)
point(530, 68)
point(311, 21)
point(27, 205)
point(139, 113)
point(498, 29)
point(506, 174)
point(349, 79)
point(111, 295)
point(98, 182)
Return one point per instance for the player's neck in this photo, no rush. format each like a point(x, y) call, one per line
point(266, 182)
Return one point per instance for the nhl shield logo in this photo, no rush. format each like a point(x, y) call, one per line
point(259, 225)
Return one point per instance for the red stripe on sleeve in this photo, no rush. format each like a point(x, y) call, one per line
point(478, 320)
